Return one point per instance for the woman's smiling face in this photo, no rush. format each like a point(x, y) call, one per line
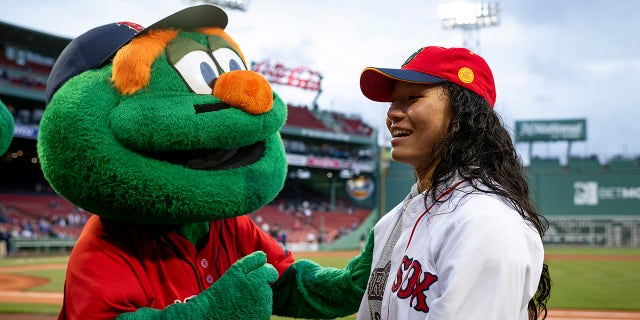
point(417, 119)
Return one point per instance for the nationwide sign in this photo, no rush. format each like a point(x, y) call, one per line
point(551, 130)
point(301, 77)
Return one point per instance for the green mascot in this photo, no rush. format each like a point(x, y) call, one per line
point(170, 141)
point(6, 128)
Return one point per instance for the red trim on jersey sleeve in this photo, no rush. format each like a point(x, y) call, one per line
point(251, 238)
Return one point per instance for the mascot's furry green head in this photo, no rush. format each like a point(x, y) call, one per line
point(6, 128)
point(163, 125)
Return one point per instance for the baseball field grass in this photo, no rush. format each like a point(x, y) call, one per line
point(599, 279)
point(582, 278)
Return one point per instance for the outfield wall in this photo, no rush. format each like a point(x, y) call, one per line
point(587, 203)
point(603, 193)
point(590, 230)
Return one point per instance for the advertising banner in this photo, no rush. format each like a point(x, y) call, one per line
point(551, 130)
point(588, 194)
point(300, 77)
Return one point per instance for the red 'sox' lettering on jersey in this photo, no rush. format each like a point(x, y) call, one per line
point(412, 283)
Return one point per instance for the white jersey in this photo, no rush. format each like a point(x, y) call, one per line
point(471, 257)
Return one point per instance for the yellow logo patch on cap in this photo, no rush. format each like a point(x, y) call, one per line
point(465, 75)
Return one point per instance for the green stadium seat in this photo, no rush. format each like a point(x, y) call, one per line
point(545, 165)
point(577, 164)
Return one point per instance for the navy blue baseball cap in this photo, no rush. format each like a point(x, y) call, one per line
point(93, 48)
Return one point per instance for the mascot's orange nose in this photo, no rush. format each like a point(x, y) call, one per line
point(246, 90)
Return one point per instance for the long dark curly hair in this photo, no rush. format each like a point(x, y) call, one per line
point(477, 147)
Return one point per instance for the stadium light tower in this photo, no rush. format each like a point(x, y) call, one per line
point(470, 17)
point(230, 4)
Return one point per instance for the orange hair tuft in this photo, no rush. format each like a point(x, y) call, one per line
point(132, 63)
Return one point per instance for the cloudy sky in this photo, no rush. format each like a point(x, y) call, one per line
point(552, 59)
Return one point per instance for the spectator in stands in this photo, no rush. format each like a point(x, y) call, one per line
point(466, 243)
point(4, 218)
point(274, 232)
point(265, 227)
point(5, 236)
point(311, 237)
point(283, 238)
point(308, 215)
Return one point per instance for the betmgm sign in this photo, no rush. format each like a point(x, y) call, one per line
point(591, 209)
point(551, 130)
point(591, 193)
point(588, 194)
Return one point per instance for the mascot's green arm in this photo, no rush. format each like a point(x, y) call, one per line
point(308, 290)
point(251, 276)
point(6, 128)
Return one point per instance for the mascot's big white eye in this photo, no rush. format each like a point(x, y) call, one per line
point(228, 60)
point(199, 71)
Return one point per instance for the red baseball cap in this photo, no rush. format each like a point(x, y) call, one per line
point(432, 65)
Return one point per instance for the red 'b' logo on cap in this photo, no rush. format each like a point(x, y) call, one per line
point(131, 25)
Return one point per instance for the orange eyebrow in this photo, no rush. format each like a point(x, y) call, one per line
point(132, 63)
point(219, 32)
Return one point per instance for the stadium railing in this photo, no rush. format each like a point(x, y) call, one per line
point(21, 247)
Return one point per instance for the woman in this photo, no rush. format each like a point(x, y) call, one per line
point(466, 243)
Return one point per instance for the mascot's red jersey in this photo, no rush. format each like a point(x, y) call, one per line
point(148, 266)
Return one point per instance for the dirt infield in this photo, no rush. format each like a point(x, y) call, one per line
point(13, 286)
point(13, 289)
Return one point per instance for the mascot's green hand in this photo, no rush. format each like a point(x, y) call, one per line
point(6, 128)
point(243, 292)
point(308, 290)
